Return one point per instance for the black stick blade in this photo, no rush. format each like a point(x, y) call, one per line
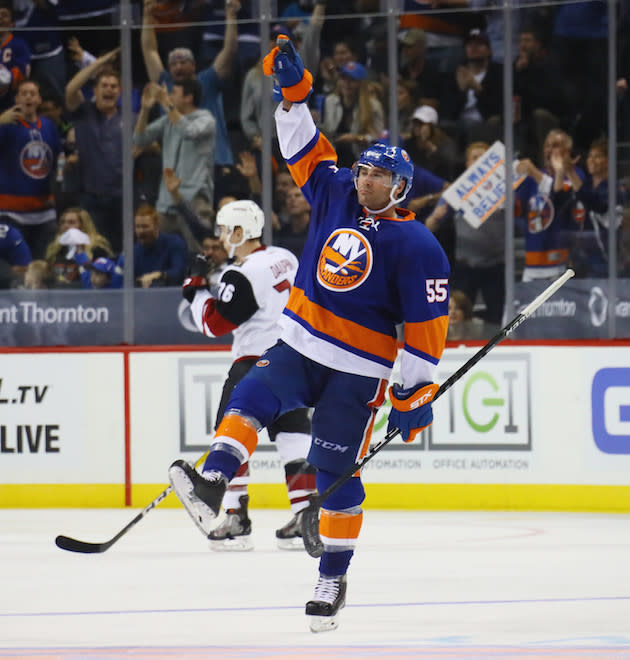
point(310, 530)
point(74, 545)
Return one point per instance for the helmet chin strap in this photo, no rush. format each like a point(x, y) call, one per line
point(393, 202)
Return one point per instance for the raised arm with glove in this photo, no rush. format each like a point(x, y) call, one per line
point(284, 63)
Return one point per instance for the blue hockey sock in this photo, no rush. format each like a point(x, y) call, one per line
point(335, 563)
point(222, 461)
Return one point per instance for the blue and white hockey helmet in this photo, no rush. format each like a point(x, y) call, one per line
point(394, 159)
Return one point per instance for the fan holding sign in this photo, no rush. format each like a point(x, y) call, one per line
point(479, 234)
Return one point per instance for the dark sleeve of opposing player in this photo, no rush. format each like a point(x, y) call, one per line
point(234, 305)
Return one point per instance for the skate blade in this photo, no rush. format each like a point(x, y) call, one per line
point(295, 543)
point(319, 624)
point(202, 515)
point(238, 544)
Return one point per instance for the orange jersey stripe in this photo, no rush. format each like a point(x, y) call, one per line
point(240, 430)
point(302, 169)
point(25, 204)
point(547, 257)
point(429, 24)
point(338, 525)
point(18, 76)
point(348, 332)
point(427, 336)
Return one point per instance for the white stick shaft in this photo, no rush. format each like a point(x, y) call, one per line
point(548, 292)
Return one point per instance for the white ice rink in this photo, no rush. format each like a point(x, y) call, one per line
point(421, 585)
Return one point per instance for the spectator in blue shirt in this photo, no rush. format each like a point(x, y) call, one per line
point(98, 128)
point(159, 259)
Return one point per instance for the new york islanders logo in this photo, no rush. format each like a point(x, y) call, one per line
point(36, 159)
point(540, 213)
point(345, 261)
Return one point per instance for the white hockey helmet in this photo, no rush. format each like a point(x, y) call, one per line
point(245, 214)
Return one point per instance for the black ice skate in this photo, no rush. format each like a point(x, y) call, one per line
point(290, 536)
point(200, 496)
point(234, 533)
point(329, 598)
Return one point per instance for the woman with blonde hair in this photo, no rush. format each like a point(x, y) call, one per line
point(61, 250)
point(353, 116)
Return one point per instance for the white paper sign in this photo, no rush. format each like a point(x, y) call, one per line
point(480, 190)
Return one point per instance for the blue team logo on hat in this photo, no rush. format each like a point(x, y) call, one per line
point(345, 260)
point(36, 159)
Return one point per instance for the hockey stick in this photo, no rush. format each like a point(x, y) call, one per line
point(74, 545)
point(310, 515)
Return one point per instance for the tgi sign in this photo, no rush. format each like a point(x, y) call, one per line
point(487, 409)
point(200, 382)
point(610, 400)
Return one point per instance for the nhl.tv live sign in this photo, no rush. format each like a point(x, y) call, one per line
point(610, 402)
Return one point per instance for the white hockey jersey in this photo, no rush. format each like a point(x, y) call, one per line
point(248, 301)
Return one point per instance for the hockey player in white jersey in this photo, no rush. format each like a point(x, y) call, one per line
point(247, 300)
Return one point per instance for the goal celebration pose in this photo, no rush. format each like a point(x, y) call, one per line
point(367, 267)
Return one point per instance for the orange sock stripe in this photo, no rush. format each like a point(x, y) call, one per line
point(338, 525)
point(240, 430)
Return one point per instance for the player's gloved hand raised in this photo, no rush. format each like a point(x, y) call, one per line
point(197, 277)
point(411, 409)
point(283, 62)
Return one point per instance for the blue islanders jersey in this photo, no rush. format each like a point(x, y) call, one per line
point(359, 276)
point(27, 160)
point(15, 56)
point(549, 219)
point(13, 247)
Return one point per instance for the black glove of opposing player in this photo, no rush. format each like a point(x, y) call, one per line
point(197, 277)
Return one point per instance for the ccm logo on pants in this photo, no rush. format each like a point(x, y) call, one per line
point(332, 446)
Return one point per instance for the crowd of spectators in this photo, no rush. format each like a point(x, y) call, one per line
point(197, 134)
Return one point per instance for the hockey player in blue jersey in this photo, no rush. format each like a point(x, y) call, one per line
point(367, 267)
